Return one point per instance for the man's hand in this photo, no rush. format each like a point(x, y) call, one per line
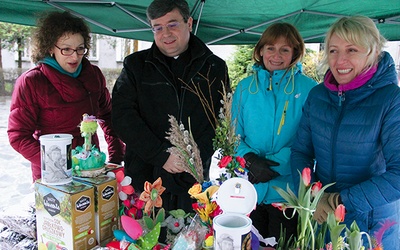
point(170, 165)
point(259, 168)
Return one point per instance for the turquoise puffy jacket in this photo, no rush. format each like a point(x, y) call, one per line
point(267, 108)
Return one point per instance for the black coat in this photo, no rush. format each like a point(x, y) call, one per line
point(147, 92)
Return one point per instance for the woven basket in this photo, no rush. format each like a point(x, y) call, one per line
point(92, 172)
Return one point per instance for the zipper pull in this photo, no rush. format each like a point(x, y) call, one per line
point(283, 117)
point(341, 97)
point(270, 83)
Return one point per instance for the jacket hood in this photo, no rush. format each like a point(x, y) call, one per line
point(385, 74)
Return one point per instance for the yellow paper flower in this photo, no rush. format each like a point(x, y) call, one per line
point(209, 241)
point(195, 189)
point(205, 212)
point(152, 195)
point(204, 196)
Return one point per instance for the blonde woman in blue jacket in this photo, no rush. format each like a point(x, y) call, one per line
point(356, 139)
point(267, 107)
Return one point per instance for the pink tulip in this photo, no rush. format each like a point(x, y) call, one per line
point(340, 211)
point(316, 188)
point(306, 176)
point(280, 206)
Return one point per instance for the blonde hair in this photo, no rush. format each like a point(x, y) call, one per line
point(360, 31)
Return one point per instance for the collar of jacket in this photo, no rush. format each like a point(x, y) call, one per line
point(197, 49)
point(264, 75)
point(384, 74)
point(73, 89)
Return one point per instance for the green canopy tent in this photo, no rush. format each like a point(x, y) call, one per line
point(216, 21)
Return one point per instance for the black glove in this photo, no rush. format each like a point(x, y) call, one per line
point(259, 168)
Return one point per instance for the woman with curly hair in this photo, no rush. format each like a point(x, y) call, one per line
point(64, 85)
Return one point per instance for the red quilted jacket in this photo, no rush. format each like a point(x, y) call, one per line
point(46, 101)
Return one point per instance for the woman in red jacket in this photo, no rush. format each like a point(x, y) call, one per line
point(53, 96)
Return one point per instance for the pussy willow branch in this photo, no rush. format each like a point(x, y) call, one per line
point(208, 104)
point(185, 148)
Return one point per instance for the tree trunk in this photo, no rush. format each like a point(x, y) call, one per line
point(2, 81)
point(20, 47)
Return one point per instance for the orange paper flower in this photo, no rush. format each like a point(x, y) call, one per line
point(152, 195)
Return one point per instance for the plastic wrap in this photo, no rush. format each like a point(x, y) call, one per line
point(20, 219)
point(191, 237)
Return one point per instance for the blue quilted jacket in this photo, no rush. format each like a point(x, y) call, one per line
point(355, 140)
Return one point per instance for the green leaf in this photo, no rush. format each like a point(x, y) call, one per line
point(354, 227)
point(318, 196)
point(178, 213)
point(133, 247)
point(160, 217)
point(302, 187)
point(291, 200)
point(148, 222)
point(354, 240)
point(305, 200)
point(148, 241)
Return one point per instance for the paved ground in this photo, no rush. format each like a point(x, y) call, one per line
point(15, 173)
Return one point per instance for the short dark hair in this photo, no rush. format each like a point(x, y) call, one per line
point(159, 8)
point(51, 26)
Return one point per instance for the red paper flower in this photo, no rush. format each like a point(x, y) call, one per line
point(241, 161)
point(223, 163)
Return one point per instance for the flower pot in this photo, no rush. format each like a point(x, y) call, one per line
point(237, 197)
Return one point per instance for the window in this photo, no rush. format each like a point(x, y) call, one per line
point(93, 52)
point(124, 47)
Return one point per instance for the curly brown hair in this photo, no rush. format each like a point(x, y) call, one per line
point(53, 25)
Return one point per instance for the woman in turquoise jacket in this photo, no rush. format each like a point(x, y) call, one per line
point(266, 108)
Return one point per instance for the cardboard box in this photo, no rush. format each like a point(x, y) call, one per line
point(65, 216)
point(106, 206)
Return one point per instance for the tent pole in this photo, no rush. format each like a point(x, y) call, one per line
point(112, 4)
point(81, 16)
point(246, 30)
point(201, 11)
point(131, 14)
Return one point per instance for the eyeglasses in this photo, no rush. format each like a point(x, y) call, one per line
point(171, 26)
point(68, 51)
